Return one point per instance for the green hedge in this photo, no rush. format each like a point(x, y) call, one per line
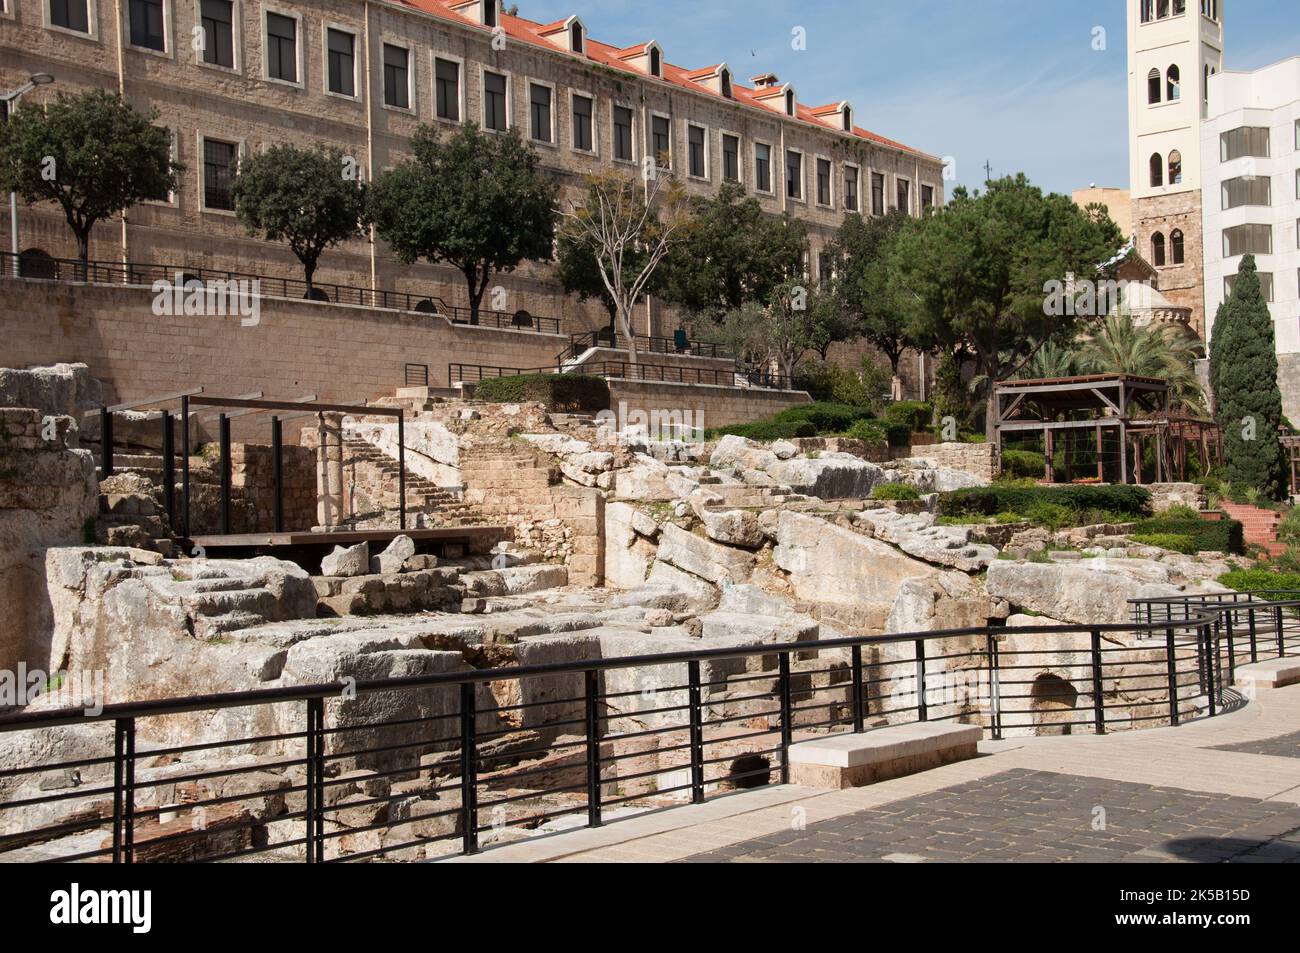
point(895, 491)
point(827, 418)
point(566, 393)
point(990, 500)
point(767, 430)
point(1261, 580)
point(1223, 536)
point(1023, 463)
point(915, 414)
point(1174, 542)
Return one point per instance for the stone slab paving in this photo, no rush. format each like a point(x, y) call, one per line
point(1153, 766)
point(1285, 746)
point(1040, 817)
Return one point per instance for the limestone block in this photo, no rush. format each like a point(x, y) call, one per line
point(394, 558)
point(701, 557)
point(347, 561)
point(850, 760)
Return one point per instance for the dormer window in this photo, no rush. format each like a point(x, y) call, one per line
point(656, 62)
point(490, 17)
point(848, 119)
point(726, 83)
point(577, 40)
point(789, 102)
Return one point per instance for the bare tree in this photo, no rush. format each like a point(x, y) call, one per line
point(629, 227)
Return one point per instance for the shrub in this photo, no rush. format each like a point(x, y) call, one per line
point(566, 393)
point(1289, 528)
point(1051, 515)
point(1132, 501)
point(1175, 542)
point(899, 435)
point(1023, 464)
point(895, 491)
point(1261, 580)
point(916, 414)
point(767, 430)
point(1180, 513)
point(1224, 536)
point(868, 430)
point(827, 418)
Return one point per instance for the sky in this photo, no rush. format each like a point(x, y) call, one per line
point(1016, 84)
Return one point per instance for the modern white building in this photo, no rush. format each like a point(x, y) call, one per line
point(1250, 168)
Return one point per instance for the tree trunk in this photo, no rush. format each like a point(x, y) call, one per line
point(475, 295)
point(309, 271)
point(626, 329)
point(83, 252)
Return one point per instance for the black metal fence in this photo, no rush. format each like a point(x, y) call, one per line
point(415, 767)
point(580, 343)
point(134, 273)
point(626, 370)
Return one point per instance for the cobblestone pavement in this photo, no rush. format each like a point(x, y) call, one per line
point(1286, 746)
point(1040, 817)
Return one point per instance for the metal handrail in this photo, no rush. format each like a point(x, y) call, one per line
point(649, 344)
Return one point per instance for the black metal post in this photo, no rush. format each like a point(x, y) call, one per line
point(859, 703)
point(401, 466)
point(787, 715)
point(593, 747)
point(1281, 636)
point(168, 471)
point(995, 687)
point(468, 769)
point(105, 443)
point(223, 430)
point(1172, 664)
point(123, 790)
point(1232, 647)
point(1254, 645)
point(922, 709)
point(315, 793)
point(697, 733)
point(277, 473)
point(1098, 703)
point(1211, 649)
point(185, 468)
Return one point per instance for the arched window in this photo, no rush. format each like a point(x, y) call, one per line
point(789, 102)
point(1153, 87)
point(726, 83)
point(848, 119)
point(1175, 167)
point(656, 61)
point(1176, 246)
point(1157, 171)
point(576, 37)
point(1158, 249)
point(1174, 85)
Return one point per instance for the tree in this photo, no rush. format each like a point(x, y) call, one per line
point(628, 227)
point(1243, 376)
point(478, 202)
point(1118, 346)
point(735, 253)
point(780, 331)
point(91, 153)
point(977, 272)
point(866, 289)
point(310, 198)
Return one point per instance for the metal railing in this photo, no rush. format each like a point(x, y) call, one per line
point(626, 370)
point(134, 273)
point(408, 768)
point(581, 343)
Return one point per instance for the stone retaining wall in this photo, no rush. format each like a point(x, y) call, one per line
point(716, 406)
point(978, 459)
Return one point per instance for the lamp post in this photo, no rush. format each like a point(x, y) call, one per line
point(10, 100)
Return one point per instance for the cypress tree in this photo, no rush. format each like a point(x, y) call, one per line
point(1243, 375)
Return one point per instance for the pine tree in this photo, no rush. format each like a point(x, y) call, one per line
point(1243, 375)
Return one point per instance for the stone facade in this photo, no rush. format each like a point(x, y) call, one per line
point(1183, 284)
point(243, 107)
point(980, 460)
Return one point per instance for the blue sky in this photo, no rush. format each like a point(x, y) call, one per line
point(1015, 83)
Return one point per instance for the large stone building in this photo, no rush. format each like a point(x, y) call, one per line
point(1174, 47)
point(233, 76)
point(1250, 166)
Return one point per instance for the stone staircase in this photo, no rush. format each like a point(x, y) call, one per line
point(1259, 525)
point(365, 464)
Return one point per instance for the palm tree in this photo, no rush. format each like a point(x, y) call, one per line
point(1121, 347)
point(1052, 360)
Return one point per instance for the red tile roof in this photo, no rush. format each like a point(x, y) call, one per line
point(534, 33)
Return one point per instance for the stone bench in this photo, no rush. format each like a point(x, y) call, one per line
point(849, 761)
point(1275, 673)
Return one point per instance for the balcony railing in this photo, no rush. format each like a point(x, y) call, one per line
point(626, 370)
point(579, 344)
point(494, 749)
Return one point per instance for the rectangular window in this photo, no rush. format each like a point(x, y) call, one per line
point(397, 77)
point(282, 47)
point(218, 25)
point(1248, 190)
point(539, 112)
point(793, 174)
point(623, 133)
point(927, 197)
point(71, 14)
point(851, 174)
point(762, 167)
point(1265, 285)
point(661, 141)
point(1247, 240)
point(342, 62)
point(494, 102)
point(166, 194)
point(147, 25)
point(583, 132)
point(904, 196)
point(731, 158)
point(877, 193)
point(1246, 141)
point(823, 182)
point(447, 89)
point(218, 172)
point(695, 148)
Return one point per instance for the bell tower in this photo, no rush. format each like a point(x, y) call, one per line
point(1174, 46)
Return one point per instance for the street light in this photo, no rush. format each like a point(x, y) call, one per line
point(10, 100)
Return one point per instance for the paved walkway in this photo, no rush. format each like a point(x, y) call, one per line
point(1214, 790)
